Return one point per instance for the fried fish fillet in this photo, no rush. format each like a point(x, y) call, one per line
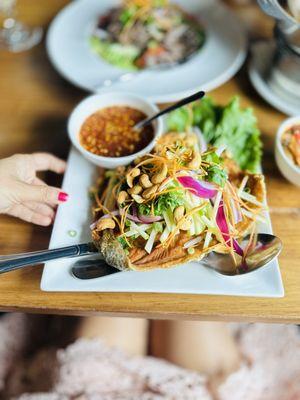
point(138, 259)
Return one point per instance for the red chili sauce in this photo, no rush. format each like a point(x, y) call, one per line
point(109, 132)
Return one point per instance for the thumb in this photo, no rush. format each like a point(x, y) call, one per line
point(43, 194)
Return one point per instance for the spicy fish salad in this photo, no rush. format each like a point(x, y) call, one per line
point(175, 205)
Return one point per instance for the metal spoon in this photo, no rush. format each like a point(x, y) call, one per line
point(183, 102)
point(92, 268)
point(267, 248)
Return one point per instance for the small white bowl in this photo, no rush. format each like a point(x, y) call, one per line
point(286, 166)
point(94, 103)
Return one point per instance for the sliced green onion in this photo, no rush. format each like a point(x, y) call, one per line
point(168, 217)
point(138, 229)
point(250, 198)
point(243, 184)
point(164, 235)
point(151, 241)
point(207, 240)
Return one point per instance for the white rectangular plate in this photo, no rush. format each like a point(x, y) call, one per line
point(190, 278)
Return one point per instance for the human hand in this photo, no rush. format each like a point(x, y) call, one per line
point(23, 194)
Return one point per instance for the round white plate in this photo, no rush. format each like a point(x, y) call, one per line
point(262, 53)
point(219, 59)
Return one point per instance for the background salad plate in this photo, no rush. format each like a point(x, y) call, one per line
point(75, 217)
point(217, 61)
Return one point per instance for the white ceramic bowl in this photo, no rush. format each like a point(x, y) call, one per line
point(94, 103)
point(286, 166)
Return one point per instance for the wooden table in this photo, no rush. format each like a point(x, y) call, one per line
point(34, 105)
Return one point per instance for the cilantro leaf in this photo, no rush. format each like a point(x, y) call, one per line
point(163, 203)
point(217, 175)
point(122, 242)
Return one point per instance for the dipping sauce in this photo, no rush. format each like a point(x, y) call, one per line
point(290, 141)
point(109, 132)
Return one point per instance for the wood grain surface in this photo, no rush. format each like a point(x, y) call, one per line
point(34, 105)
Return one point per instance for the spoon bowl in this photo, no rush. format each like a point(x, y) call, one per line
point(91, 268)
point(266, 249)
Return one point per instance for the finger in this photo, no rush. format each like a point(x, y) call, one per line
point(47, 161)
point(24, 213)
point(40, 208)
point(38, 181)
point(42, 194)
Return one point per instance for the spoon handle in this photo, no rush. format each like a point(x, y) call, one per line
point(183, 102)
point(16, 261)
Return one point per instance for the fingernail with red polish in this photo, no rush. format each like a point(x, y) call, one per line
point(62, 196)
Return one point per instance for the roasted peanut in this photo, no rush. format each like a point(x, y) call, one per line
point(105, 223)
point(137, 198)
point(195, 162)
point(160, 175)
point(122, 196)
point(178, 213)
point(133, 173)
point(147, 193)
point(135, 189)
point(145, 181)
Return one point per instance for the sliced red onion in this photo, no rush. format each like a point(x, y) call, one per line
point(94, 224)
point(149, 219)
point(146, 219)
point(202, 141)
point(134, 210)
point(192, 242)
point(223, 226)
point(133, 218)
point(201, 189)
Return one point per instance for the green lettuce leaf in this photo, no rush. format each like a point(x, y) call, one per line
point(237, 129)
point(114, 53)
point(179, 120)
point(230, 125)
